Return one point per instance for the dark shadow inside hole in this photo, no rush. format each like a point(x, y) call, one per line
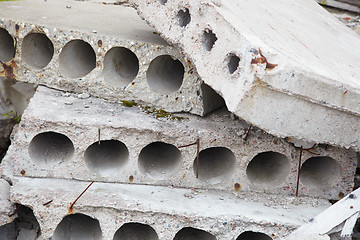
point(184, 17)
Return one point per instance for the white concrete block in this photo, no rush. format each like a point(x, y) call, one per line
point(288, 67)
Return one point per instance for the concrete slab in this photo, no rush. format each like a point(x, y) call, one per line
point(113, 55)
point(58, 137)
point(292, 73)
point(224, 215)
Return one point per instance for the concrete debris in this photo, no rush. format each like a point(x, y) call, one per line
point(129, 137)
point(108, 207)
point(53, 137)
point(279, 67)
point(130, 62)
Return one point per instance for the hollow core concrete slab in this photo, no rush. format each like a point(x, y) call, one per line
point(288, 67)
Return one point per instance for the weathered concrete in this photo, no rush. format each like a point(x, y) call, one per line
point(292, 73)
point(113, 205)
point(58, 138)
point(114, 55)
point(6, 207)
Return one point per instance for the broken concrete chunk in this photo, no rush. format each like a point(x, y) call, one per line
point(292, 73)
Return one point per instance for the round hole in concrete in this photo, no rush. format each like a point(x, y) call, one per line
point(78, 227)
point(50, 147)
point(120, 66)
point(184, 17)
point(253, 236)
point(189, 233)
point(165, 74)
point(216, 164)
point(107, 157)
point(159, 160)
point(135, 231)
point(7, 48)
point(77, 59)
point(320, 172)
point(37, 50)
point(162, 2)
point(209, 39)
point(268, 169)
point(233, 63)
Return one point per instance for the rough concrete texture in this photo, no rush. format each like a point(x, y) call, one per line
point(6, 207)
point(113, 205)
point(59, 133)
point(292, 73)
point(88, 55)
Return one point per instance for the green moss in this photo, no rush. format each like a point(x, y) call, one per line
point(128, 103)
point(158, 113)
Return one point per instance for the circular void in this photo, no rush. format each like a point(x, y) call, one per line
point(7, 48)
point(78, 227)
point(107, 157)
point(77, 59)
point(120, 66)
point(135, 231)
point(253, 236)
point(209, 39)
point(189, 233)
point(215, 164)
point(268, 169)
point(165, 74)
point(50, 147)
point(184, 17)
point(37, 50)
point(162, 2)
point(159, 160)
point(233, 63)
point(320, 172)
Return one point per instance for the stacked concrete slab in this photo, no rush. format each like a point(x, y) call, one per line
point(292, 73)
point(63, 136)
point(140, 171)
point(126, 62)
point(105, 124)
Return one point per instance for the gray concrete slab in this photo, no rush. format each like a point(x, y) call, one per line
point(224, 215)
point(124, 60)
point(287, 67)
point(59, 133)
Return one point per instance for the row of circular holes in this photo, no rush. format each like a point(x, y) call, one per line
point(77, 59)
point(79, 226)
point(208, 38)
point(160, 160)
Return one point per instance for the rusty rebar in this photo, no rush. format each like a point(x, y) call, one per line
point(197, 142)
point(298, 176)
point(71, 206)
